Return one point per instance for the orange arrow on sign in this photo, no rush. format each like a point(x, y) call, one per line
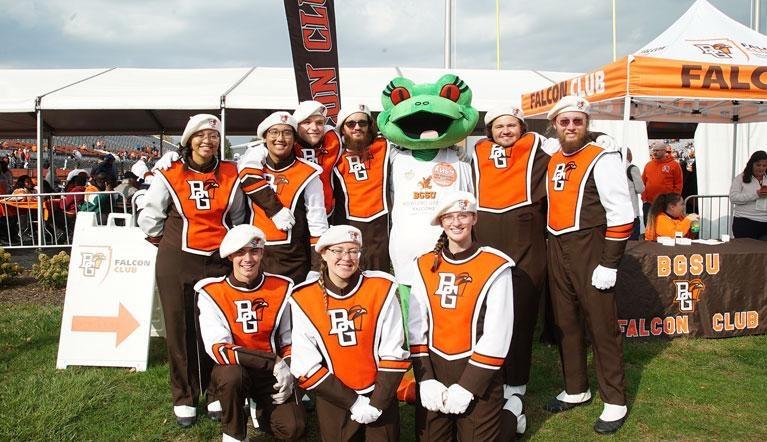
point(123, 324)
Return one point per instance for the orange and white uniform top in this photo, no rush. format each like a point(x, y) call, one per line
point(464, 309)
point(353, 337)
point(232, 316)
point(364, 182)
point(586, 189)
point(506, 178)
point(326, 155)
point(296, 182)
point(203, 200)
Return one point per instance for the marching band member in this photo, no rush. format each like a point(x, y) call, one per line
point(460, 326)
point(318, 143)
point(245, 326)
point(296, 182)
point(189, 208)
point(348, 342)
point(360, 184)
point(590, 219)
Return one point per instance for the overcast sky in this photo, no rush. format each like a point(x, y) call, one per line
point(555, 35)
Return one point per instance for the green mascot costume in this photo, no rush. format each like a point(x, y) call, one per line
point(423, 122)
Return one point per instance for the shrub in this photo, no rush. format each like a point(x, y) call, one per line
point(52, 271)
point(8, 269)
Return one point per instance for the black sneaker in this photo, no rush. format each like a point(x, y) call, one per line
point(557, 406)
point(605, 427)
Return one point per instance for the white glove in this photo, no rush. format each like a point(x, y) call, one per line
point(433, 394)
point(284, 219)
point(363, 412)
point(551, 146)
point(458, 400)
point(166, 161)
point(603, 278)
point(254, 157)
point(284, 385)
point(607, 143)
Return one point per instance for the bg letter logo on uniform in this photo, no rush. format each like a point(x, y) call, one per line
point(199, 195)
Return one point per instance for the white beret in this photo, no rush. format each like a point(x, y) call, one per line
point(280, 117)
point(348, 110)
point(308, 108)
point(510, 110)
point(200, 122)
point(457, 201)
point(244, 235)
point(570, 103)
point(338, 235)
point(76, 172)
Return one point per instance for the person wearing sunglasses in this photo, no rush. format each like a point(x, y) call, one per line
point(590, 219)
point(360, 184)
point(317, 143)
point(349, 343)
point(245, 326)
point(296, 183)
point(188, 210)
point(460, 326)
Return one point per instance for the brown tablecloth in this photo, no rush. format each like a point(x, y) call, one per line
point(712, 291)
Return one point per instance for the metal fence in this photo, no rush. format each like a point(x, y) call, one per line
point(19, 220)
point(715, 214)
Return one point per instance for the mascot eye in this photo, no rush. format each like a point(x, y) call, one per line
point(399, 94)
point(450, 91)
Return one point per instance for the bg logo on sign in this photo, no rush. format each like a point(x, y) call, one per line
point(91, 263)
point(346, 323)
point(688, 294)
point(95, 263)
point(250, 313)
point(450, 288)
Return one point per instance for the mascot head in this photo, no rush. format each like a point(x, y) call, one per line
point(429, 115)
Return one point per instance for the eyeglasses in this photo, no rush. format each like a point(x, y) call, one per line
point(340, 253)
point(564, 122)
point(462, 217)
point(275, 133)
point(211, 136)
point(361, 123)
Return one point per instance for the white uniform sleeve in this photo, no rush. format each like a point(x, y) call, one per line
point(214, 328)
point(418, 318)
point(465, 172)
point(613, 188)
point(156, 202)
point(314, 200)
point(550, 145)
point(306, 359)
point(392, 334)
point(636, 178)
point(491, 349)
point(284, 330)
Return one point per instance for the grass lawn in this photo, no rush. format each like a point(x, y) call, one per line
point(686, 389)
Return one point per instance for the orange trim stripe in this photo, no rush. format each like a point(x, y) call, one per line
point(307, 383)
point(286, 351)
point(417, 350)
point(313, 240)
point(487, 360)
point(225, 353)
point(619, 232)
point(397, 365)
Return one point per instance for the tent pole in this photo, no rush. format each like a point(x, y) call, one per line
point(734, 147)
point(39, 142)
point(223, 132)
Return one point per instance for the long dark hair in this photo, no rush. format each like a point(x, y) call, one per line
point(659, 205)
point(748, 172)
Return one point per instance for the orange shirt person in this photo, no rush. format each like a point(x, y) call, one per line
point(667, 217)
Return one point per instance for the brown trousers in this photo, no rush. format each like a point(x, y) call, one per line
point(177, 272)
point(521, 234)
point(375, 237)
point(235, 383)
point(482, 421)
point(336, 424)
point(572, 259)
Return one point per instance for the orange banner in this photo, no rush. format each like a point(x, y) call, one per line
point(678, 78)
point(603, 84)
